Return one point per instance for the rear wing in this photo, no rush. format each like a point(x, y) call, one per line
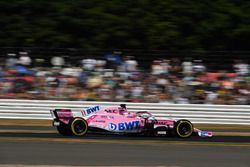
point(64, 115)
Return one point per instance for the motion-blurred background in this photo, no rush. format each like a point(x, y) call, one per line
point(136, 51)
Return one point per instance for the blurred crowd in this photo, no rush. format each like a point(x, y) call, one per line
point(116, 78)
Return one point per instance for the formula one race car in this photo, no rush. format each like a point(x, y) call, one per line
point(117, 120)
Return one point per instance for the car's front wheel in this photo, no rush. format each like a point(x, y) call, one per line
point(78, 126)
point(183, 128)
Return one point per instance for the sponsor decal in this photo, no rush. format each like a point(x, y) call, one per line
point(83, 112)
point(161, 132)
point(161, 123)
point(56, 123)
point(100, 121)
point(111, 117)
point(131, 116)
point(64, 114)
point(171, 126)
point(124, 125)
point(92, 109)
point(205, 134)
point(111, 111)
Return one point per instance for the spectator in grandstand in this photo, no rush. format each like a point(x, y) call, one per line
point(24, 59)
point(160, 66)
point(241, 67)
point(105, 92)
point(113, 60)
point(100, 65)
point(94, 80)
point(57, 61)
point(156, 68)
point(11, 60)
point(130, 64)
point(79, 94)
point(211, 97)
point(165, 66)
point(169, 81)
point(175, 67)
point(6, 84)
point(89, 64)
point(187, 67)
point(198, 67)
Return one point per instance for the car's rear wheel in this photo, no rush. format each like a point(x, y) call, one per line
point(183, 128)
point(78, 126)
point(63, 130)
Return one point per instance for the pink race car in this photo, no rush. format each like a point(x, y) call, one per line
point(117, 119)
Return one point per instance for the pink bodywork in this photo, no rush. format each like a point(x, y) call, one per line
point(118, 119)
point(64, 115)
point(114, 118)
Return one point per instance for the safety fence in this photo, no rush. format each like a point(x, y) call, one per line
point(197, 113)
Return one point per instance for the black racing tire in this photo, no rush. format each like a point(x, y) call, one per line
point(183, 128)
point(78, 126)
point(63, 130)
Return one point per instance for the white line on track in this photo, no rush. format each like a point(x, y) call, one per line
point(15, 165)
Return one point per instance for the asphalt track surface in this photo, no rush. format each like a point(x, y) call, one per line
point(42, 145)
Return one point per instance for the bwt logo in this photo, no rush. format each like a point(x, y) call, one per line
point(124, 125)
point(92, 109)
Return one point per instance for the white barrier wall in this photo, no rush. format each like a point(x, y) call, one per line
point(197, 113)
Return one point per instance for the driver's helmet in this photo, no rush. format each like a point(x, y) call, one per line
point(122, 109)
